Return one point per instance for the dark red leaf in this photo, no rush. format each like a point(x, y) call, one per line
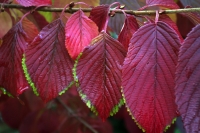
point(164, 3)
point(34, 2)
point(14, 112)
point(188, 81)
point(99, 15)
point(11, 52)
point(129, 28)
point(148, 76)
point(99, 75)
point(79, 32)
point(48, 64)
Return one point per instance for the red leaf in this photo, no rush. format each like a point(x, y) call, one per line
point(129, 28)
point(48, 64)
point(34, 2)
point(80, 30)
point(187, 81)
point(166, 19)
point(148, 76)
point(99, 15)
point(99, 75)
point(11, 51)
point(164, 3)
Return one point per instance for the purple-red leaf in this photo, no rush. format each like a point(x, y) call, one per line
point(164, 3)
point(99, 15)
point(129, 28)
point(48, 64)
point(34, 2)
point(79, 32)
point(11, 52)
point(99, 75)
point(148, 76)
point(188, 81)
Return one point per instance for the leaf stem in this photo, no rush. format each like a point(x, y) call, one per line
point(78, 118)
point(133, 12)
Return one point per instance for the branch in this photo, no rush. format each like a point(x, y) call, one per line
point(133, 12)
point(78, 118)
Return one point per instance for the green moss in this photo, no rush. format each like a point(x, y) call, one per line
point(74, 70)
point(116, 107)
point(168, 126)
point(28, 78)
point(63, 91)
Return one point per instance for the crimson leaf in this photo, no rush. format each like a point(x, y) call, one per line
point(164, 3)
point(188, 81)
point(47, 64)
point(129, 28)
point(148, 76)
point(34, 2)
point(99, 75)
point(11, 51)
point(79, 31)
point(99, 15)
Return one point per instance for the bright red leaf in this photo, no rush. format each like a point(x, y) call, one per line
point(148, 76)
point(129, 28)
point(47, 64)
point(79, 32)
point(99, 15)
point(99, 75)
point(34, 2)
point(188, 81)
point(164, 3)
point(11, 52)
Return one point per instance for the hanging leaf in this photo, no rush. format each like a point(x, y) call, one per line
point(99, 75)
point(164, 3)
point(11, 51)
point(148, 76)
point(47, 64)
point(116, 22)
point(79, 31)
point(34, 2)
point(99, 15)
point(129, 28)
point(188, 81)
point(6, 23)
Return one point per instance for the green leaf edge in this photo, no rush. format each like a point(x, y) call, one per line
point(167, 127)
point(6, 92)
point(83, 96)
point(28, 78)
point(69, 86)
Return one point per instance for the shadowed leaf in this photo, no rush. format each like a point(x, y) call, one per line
point(129, 28)
point(164, 3)
point(99, 75)
point(47, 64)
point(188, 81)
point(11, 51)
point(148, 76)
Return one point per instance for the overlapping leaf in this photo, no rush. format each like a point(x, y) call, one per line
point(11, 51)
point(193, 3)
point(129, 28)
point(148, 76)
point(6, 23)
point(47, 64)
point(34, 2)
point(79, 31)
point(188, 81)
point(99, 75)
point(164, 3)
point(99, 15)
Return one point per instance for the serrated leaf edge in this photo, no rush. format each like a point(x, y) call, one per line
point(63, 91)
point(128, 109)
point(83, 96)
point(6, 92)
point(27, 76)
